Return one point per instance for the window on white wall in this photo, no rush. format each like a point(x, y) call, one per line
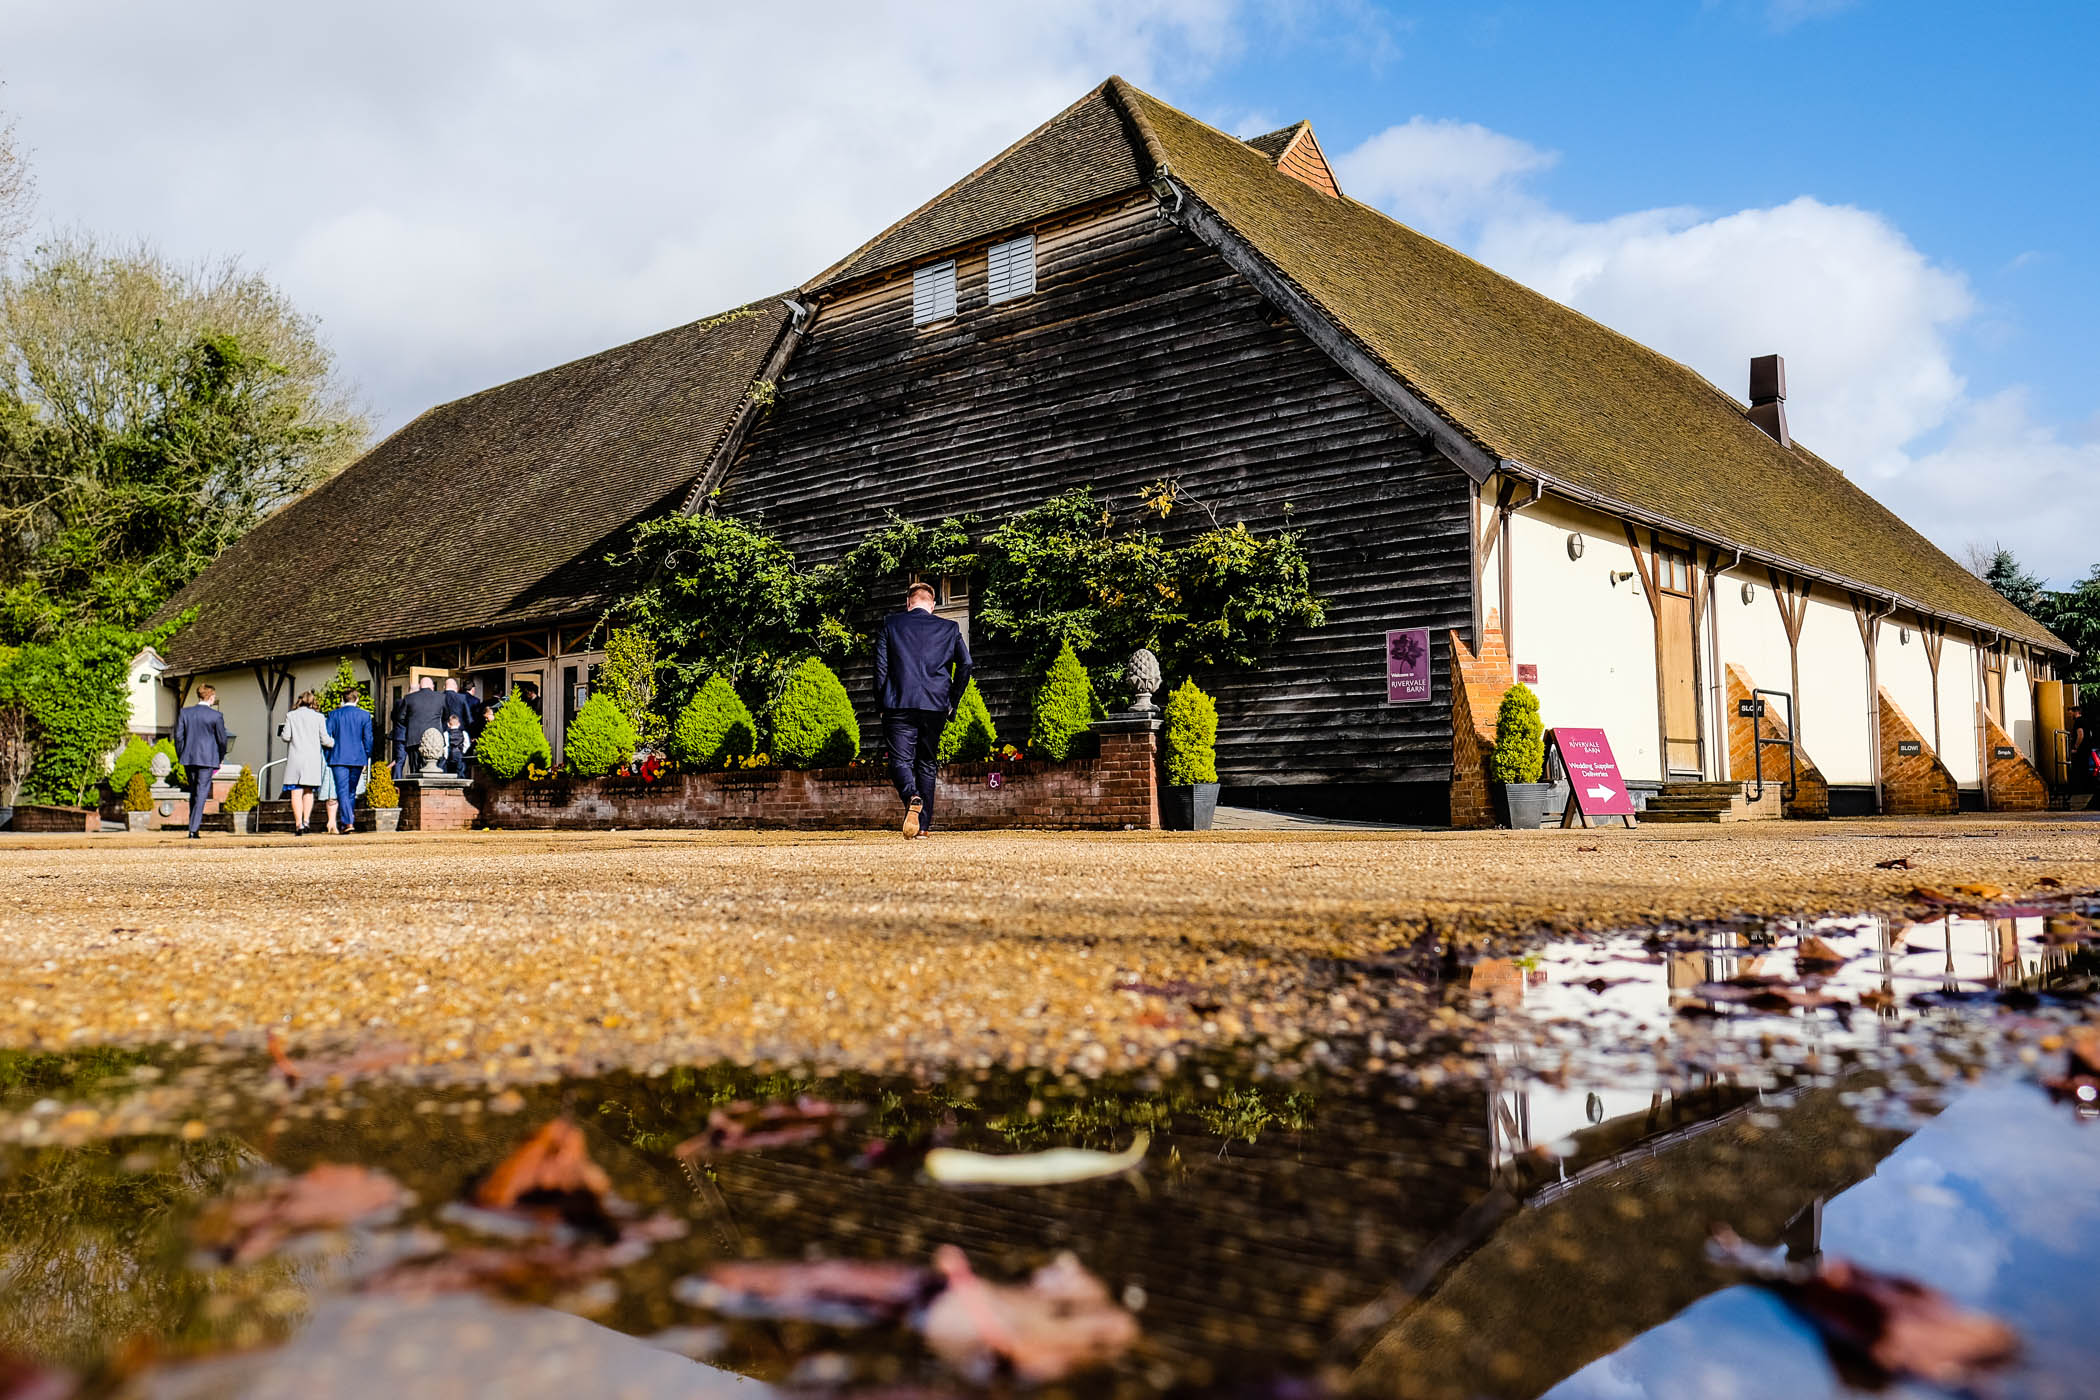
point(933, 293)
point(1011, 269)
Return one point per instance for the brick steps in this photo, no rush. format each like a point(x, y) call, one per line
point(1709, 804)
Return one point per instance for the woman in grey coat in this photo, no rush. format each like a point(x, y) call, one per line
point(305, 733)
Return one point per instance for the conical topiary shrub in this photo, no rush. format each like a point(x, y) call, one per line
point(1192, 736)
point(1520, 740)
point(138, 794)
point(715, 727)
point(380, 792)
point(969, 737)
point(246, 796)
point(813, 722)
point(600, 738)
point(1064, 708)
point(513, 741)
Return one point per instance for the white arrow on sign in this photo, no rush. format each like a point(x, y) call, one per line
point(1600, 792)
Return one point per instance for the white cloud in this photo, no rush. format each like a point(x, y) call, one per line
point(470, 191)
point(1868, 324)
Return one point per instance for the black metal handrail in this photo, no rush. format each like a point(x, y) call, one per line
point(1759, 743)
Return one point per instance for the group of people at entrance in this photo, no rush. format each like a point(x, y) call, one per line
point(922, 667)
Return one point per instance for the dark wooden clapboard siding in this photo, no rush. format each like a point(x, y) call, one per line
point(1141, 356)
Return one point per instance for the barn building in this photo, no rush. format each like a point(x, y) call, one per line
point(1127, 295)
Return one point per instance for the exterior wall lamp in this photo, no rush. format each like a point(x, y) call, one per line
point(1619, 576)
point(1575, 544)
point(1749, 594)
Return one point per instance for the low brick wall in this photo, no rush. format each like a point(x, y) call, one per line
point(77, 820)
point(1913, 784)
point(1811, 799)
point(1118, 791)
point(2014, 785)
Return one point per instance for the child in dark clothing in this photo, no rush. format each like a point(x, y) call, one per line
point(457, 743)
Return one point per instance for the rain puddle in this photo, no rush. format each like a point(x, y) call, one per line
point(1777, 1161)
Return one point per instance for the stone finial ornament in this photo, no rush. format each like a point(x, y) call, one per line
point(160, 767)
point(1144, 678)
point(432, 747)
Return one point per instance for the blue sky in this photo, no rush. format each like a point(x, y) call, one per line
point(1896, 195)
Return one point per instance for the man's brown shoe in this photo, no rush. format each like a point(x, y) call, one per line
point(911, 818)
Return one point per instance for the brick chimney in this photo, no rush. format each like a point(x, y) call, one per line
point(1768, 397)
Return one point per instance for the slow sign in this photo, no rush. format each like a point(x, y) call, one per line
point(1595, 787)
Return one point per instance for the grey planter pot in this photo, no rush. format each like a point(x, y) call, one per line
point(1188, 806)
point(386, 818)
point(1522, 806)
point(138, 821)
point(241, 823)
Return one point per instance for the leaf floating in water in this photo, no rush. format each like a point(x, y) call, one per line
point(1812, 954)
point(1061, 1321)
point(1898, 1325)
point(1896, 863)
point(749, 1127)
point(548, 1186)
point(356, 1065)
point(1054, 1167)
point(1773, 994)
point(2081, 1077)
point(829, 1292)
point(329, 1197)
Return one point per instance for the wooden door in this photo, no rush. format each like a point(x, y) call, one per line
point(1994, 687)
point(1677, 655)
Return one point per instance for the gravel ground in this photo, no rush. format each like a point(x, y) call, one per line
point(527, 953)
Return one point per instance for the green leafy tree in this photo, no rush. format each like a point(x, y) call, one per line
point(1520, 739)
point(721, 596)
point(599, 739)
point(628, 678)
point(513, 740)
point(339, 687)
point(2074, 615)
point(1192, 736)
point(245, 795)
point(812, 722)
point(970, 737)
point(150, 414)
point(136, 757)
point(74, 690)
point(2020, 588)
point(1064, 707)
point(714, 727)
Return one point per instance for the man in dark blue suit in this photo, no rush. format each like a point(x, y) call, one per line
point(918, 693)
point(200, 747)
point(350, 726)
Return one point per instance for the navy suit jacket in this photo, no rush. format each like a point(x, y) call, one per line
point(912, 658)
point(458, 702)
point(200, 739)
point(351, 728)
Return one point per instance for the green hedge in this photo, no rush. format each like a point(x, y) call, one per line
point(813, 721)
point(715, 727)
point(1065, 707)
point(513, 740)
point(969, 737)
point(76, 693)
point(1192, 736)
point(599, 739)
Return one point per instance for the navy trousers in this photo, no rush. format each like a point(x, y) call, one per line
point(913, 738)
point(345, 795)
point(200, 789)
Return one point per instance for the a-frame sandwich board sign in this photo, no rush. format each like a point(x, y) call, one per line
point(1595, 788)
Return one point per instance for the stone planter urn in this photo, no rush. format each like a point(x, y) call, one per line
point(138, 821)
point(385, 818)
point(1522, 806)
point(241, 823)
point(1188, 806)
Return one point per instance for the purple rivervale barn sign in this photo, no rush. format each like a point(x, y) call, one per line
point(1407, 666)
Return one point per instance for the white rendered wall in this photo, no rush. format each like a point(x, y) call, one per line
point(1837, 726)
point(1907, 677)
point(1958, 701)
point(1593, 641)
point(1753, 638)
point(152, 704)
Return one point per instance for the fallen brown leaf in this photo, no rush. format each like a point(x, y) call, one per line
point(330, 1196)
point(547, 1180)
point(1894, 863)
point(1812, 954)
point(749, 1127)
point(2048, 882)
point(1766, 994)
point(357, 1064)
point(1061, 1321)
point(829, 1292)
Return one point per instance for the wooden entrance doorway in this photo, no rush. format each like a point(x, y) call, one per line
point(1677, 660)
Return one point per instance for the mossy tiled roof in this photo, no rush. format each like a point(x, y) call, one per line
point(488, 512)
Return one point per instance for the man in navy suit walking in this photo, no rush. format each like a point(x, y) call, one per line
point(350, 725)
point(200, 747)
point(918, 693)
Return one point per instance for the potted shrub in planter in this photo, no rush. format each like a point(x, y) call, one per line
point(1189, 799)
point(241, 803)
point(1520, 755)
point(1065, 708)
point(384, 799)
point(138, 802)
